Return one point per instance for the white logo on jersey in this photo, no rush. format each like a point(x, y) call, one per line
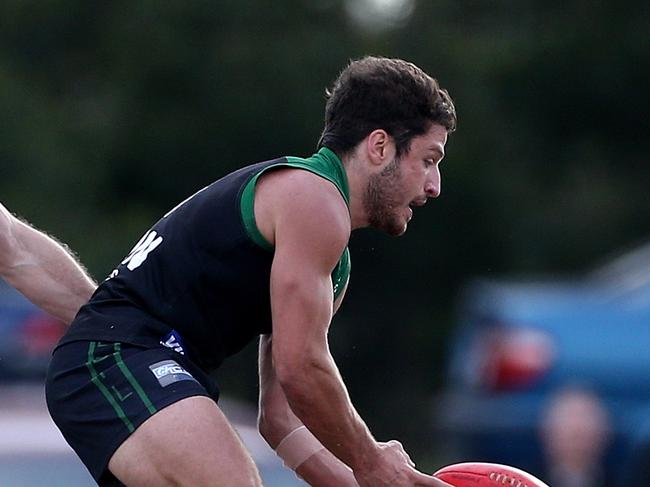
point(142, 249)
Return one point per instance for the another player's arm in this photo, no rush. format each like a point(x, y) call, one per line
point(310, 231)
point(42, 269)
point(321, 468)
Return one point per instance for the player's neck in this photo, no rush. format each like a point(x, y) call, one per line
point(357, 182)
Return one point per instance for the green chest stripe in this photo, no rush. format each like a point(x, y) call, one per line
point(324, 164)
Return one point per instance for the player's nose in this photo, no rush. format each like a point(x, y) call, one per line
point(432, 188)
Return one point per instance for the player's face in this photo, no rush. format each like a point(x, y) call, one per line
point(406, 182)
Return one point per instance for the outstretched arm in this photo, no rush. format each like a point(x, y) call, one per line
point(42, 268)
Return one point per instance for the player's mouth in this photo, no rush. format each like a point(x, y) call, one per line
point(418, 202)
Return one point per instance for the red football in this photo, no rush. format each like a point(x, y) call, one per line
point(475, 474)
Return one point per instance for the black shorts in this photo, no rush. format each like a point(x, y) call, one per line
point(98, 393)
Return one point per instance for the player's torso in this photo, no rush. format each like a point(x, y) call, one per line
point(198, 280)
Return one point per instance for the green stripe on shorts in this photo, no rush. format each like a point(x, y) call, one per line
point(95, 378)
point(132, 380)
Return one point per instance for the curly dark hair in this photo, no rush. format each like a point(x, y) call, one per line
point(382, 93)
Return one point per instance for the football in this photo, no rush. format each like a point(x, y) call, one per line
point(475, 474)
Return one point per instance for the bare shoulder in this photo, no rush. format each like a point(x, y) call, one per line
point(297, 207)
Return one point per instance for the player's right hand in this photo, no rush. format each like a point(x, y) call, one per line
point(393, 467)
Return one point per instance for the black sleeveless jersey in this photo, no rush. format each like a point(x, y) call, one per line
point(199, 280)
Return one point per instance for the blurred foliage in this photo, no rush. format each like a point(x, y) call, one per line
point(112, 112)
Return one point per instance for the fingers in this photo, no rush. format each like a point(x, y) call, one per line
point(400, 448)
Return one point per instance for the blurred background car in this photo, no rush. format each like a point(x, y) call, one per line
point(520, 345)
point(28, 337)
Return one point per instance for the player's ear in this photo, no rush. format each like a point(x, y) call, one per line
point(380, 147)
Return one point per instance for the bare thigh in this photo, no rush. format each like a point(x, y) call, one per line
point(189, 443)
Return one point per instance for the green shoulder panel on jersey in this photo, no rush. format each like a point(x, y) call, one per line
point(326, 164)
point(341, 273)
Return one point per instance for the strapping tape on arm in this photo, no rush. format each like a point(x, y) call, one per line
point(297, 447)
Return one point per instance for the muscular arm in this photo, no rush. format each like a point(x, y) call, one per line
point(310, 229)
point(42, 269)
point(301, 301)
point(277, 420)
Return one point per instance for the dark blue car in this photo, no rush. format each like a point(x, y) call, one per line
point(518, 343)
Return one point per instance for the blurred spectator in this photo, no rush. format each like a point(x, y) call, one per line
point(575, 431)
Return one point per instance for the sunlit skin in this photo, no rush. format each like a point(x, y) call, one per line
point(405, 182)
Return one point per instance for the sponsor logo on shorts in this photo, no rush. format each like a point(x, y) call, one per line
point(169, 371)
